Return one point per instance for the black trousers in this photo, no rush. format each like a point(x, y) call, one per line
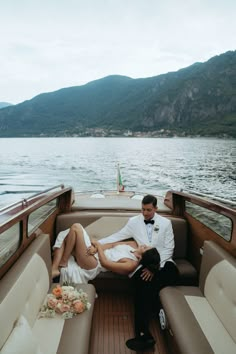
point(146, 297)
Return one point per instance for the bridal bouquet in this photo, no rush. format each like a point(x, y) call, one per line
point(66, 301)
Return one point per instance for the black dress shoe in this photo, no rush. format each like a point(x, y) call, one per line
point(140, 343)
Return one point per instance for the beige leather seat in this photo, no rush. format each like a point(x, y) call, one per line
point(203, 319)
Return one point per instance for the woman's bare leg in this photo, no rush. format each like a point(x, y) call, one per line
point(75, 243)
point(70, 241)
point(57, 255)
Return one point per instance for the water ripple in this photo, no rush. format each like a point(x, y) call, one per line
point(203, 165)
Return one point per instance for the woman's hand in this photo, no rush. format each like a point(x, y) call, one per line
point(95, 243)
point(92, 250)
point(146, 274)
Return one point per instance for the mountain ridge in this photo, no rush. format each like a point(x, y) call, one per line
point(197, 100)
point(5, 104)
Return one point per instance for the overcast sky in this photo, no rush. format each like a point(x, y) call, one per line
point(49, 44)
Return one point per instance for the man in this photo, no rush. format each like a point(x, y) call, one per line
point(153, 230)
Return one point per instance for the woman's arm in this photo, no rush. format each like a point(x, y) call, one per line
point(93, 249)
point(113, 244)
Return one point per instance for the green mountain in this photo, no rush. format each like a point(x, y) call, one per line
point(197, 100)
point(4, 104)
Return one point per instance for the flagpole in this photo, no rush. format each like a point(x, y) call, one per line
point(120, 186)
point(117, 179)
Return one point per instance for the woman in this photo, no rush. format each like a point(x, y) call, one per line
point(91, 258)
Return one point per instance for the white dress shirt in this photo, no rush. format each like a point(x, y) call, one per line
point(149, 228)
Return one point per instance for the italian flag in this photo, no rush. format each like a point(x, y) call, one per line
point(120, 186)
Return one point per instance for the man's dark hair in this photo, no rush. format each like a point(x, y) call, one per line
point(151, 259)
point(150, 199)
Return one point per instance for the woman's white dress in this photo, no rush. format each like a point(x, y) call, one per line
point(73, 273)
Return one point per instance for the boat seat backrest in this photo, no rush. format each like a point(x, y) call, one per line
point(217, 282)
point(180, 229)
point(106, 225)
point(25, 285)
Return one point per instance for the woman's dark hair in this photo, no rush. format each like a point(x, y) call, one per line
point(151, 259)
point(150, 199)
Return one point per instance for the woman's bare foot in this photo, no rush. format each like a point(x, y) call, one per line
point(55, 272)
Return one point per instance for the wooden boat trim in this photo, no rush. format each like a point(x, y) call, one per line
point(19, 213)
point(176, 201)
point(172, 199)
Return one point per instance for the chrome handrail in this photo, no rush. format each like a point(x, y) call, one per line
point(26, 200)
point(218, 199)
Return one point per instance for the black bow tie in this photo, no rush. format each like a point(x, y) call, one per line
point(149, 222)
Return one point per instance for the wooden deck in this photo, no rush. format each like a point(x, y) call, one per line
point(113, 325)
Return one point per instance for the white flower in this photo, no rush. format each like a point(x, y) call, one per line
point(72, 295)
point(67, 288)
point(67, 315)
point(88, 305)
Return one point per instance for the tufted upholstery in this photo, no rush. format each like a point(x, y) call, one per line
point(23, 289)
point(203, 319)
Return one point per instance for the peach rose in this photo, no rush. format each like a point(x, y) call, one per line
point(57, 291)
point(78, 306)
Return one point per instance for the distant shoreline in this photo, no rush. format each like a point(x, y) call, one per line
point(122, 136)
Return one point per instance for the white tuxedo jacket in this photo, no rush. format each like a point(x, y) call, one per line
point(162, 235)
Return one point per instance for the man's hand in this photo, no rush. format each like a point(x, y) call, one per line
point(146, 274)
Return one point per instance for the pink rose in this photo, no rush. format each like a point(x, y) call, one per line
point(78, 306)
point(52, 303)
point(64, 308)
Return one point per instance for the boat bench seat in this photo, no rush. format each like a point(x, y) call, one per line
point(202, 319)
point(105, 225)
point(22, 292)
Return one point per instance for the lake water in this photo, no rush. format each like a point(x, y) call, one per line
point(29, 165)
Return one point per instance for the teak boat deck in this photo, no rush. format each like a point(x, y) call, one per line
point(112, 325)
